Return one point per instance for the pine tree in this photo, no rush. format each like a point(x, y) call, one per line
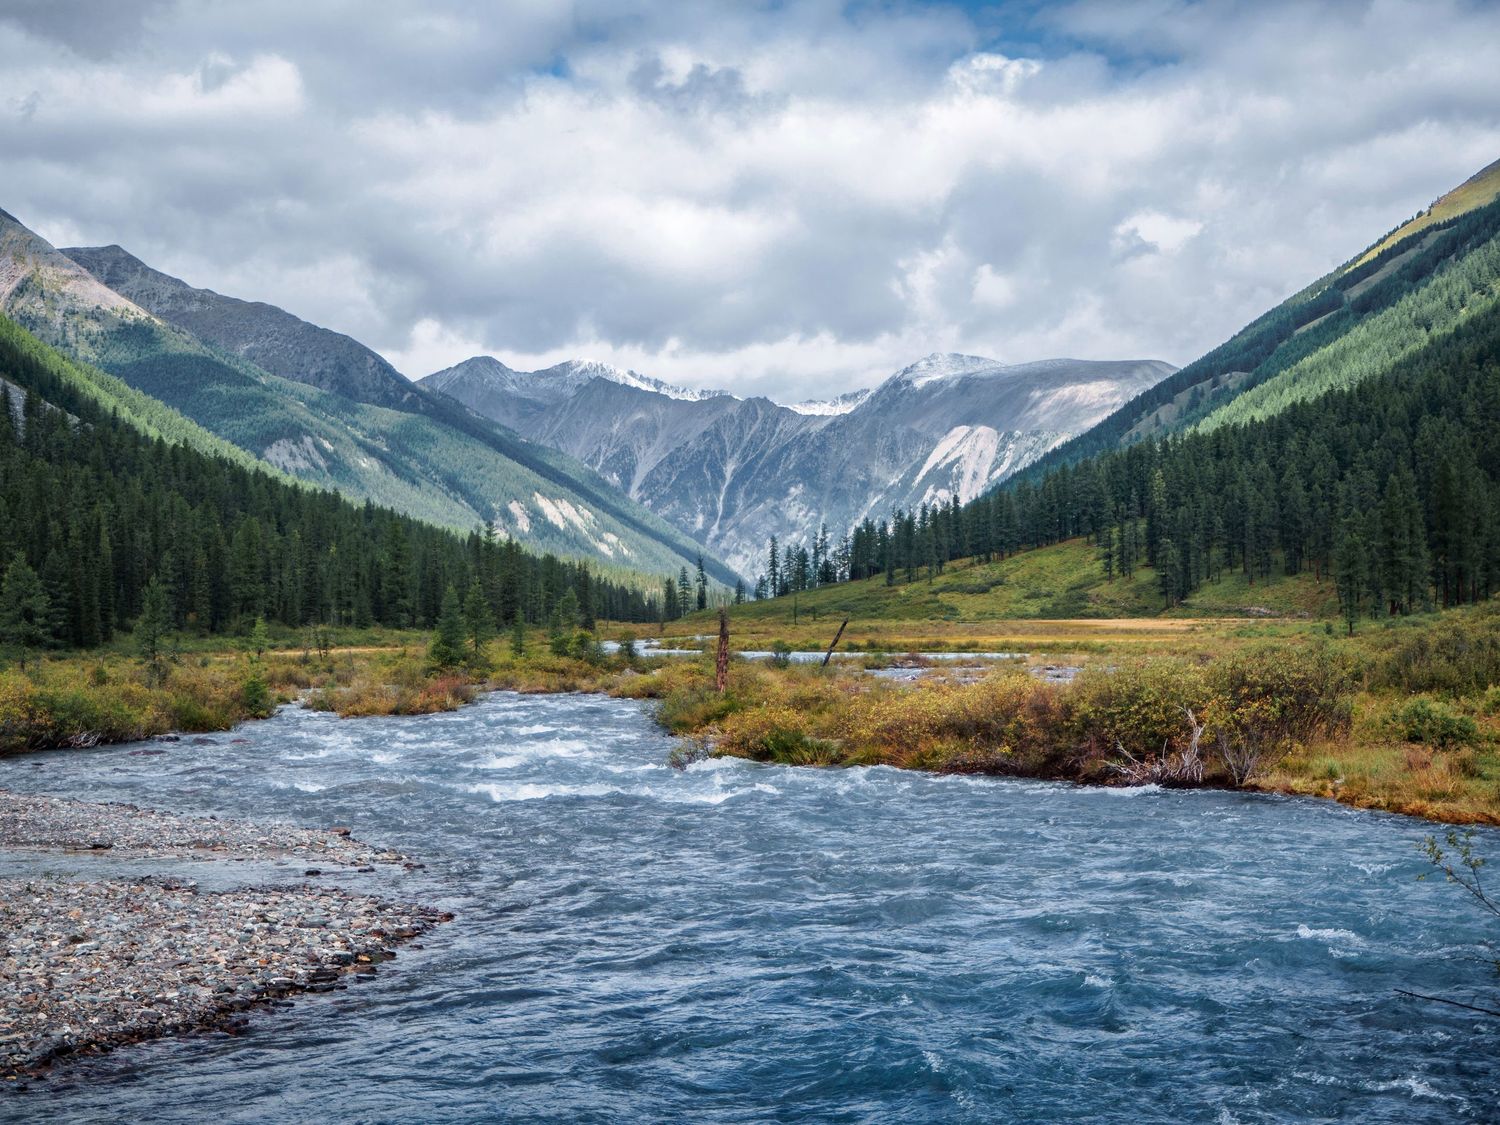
point(585, 587)
point(565, 615)
point(152, 630)
point(702, 584)
point(479, 619)
point(1168, 575)
point(24, 609)
point(1350, 568)
point(447, 648)
point(259, 638)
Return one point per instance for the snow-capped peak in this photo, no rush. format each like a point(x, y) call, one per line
point(827, 407)
point(942, 365)
point(582, 370)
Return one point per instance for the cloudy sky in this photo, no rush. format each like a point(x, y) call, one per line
point(784, 198)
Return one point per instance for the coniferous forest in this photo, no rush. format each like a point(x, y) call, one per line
point(1391, 488)
point(93, 513)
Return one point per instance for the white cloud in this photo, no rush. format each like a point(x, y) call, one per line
point(993, 290)
point(983, 74)
point(1156, 231)
point(794, 201)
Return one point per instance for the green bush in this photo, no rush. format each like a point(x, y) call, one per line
point(1435, 724)
point(586, 647)
point(1140, 706)
point(1459, 655)
point(256, 697)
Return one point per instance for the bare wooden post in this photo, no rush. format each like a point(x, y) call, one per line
point(721, 663)
point(827, 656)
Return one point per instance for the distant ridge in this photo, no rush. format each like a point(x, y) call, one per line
point(733, 472)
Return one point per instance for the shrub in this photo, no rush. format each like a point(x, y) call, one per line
point(1005, 723)
point(1433, 723)
point(1139, 707)
point(256, 697)
point(781, 654)
point(771, 732)
point(1459, 654)
point(691, 709)
point(1268, 698)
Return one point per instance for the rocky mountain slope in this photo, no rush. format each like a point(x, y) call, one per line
point(733, 472)
point(345, 420)
point(271, 338)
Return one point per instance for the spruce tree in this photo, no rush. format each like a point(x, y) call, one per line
point(479, 619)
point(447, 648)
point(24, 609)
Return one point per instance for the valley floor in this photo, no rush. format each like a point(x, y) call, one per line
point(1404, 716)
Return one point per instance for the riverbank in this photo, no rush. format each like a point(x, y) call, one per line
point(91, 962)
point(1404, 717)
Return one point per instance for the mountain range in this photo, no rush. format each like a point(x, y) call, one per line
point(733, 472)
point(581, 458)
point(321, 407)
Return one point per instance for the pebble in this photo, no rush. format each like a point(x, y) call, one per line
point(60, 822)
point(90, 965)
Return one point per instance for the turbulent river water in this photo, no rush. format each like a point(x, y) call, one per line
point(741, 943)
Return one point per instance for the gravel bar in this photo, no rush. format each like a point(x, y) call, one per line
point(58, 822)
point(89, 963)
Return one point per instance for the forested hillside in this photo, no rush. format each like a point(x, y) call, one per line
point(99, 504)
point(1391, 487)
point(1410, 288)
point(440, 463)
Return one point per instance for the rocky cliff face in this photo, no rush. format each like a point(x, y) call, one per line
point(732, 472)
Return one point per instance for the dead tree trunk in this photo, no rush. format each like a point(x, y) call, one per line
point(721, 662)
point(827, 656)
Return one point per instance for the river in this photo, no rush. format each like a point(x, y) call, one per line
point(744, 943)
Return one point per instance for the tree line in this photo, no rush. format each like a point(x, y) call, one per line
point(94, 513)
